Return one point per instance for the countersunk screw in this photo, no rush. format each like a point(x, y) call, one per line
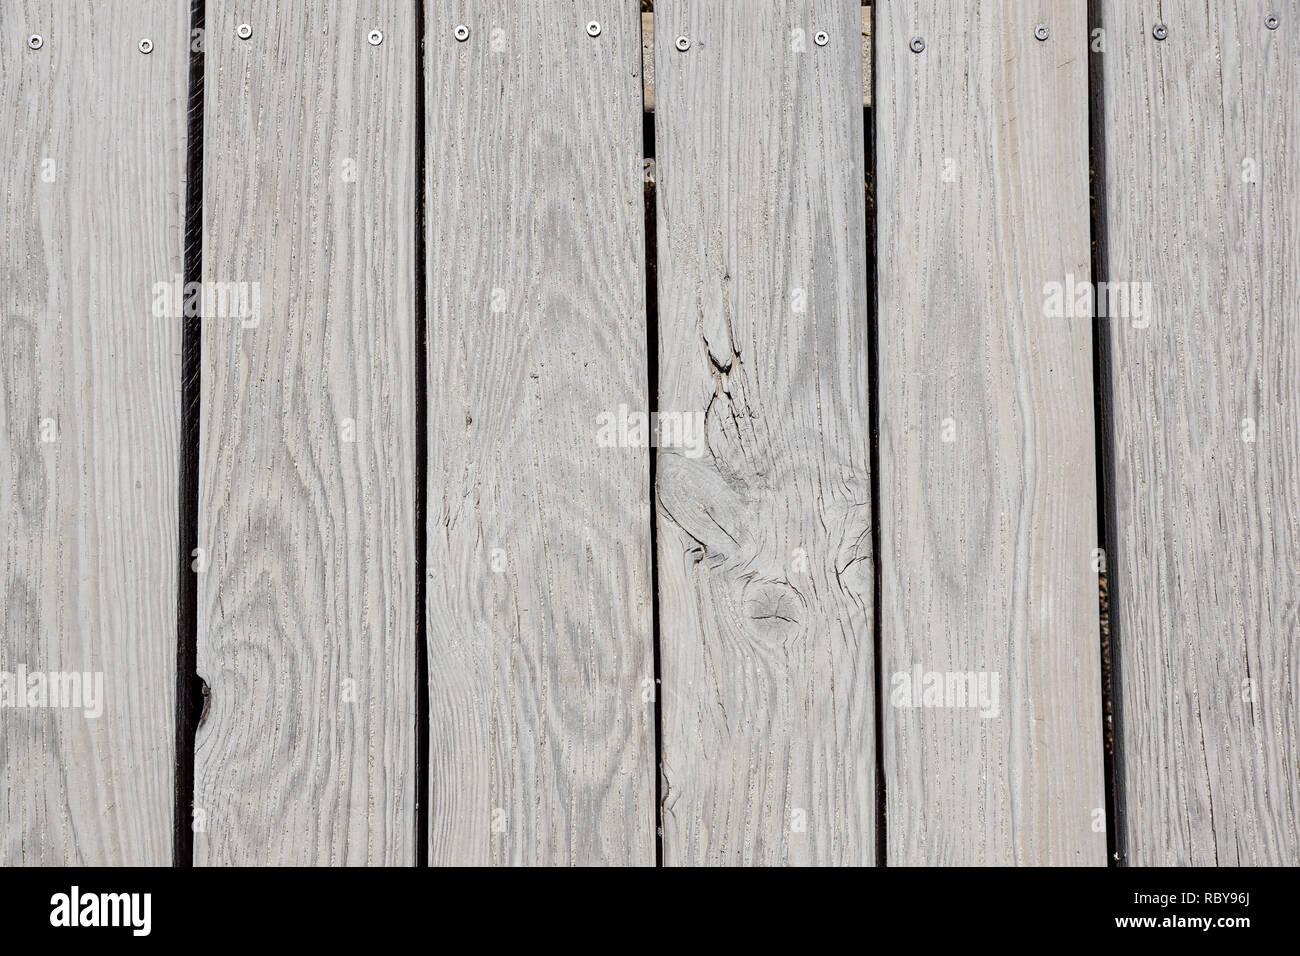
point(146, 46)
point(461, 33)
point(243, 31)
point(683, 43)
point(593, 29)
point(1160, 31)
point(375, 37)
point(821, 38)
point(1271, 22)
point(1040, 31)
point(917, 44)
point(35, 41)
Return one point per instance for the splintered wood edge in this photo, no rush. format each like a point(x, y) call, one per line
point(648, 58)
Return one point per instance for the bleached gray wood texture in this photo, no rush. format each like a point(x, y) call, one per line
point(92, 145)
point(307, 475)
point(987, 538)
point(765, 561)
point(1202, 197)
point(539, 590)
point(648, 49)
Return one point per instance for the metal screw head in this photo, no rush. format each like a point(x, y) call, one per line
point(35, 41)
point(146, 46)
point(1271, 22)
point(243, 31)
point(593, 29)
point(1160, 31)
point(683, 43)
point(374, 38)
point(821, 38)
point(917, 44)
point(1040, 31)
point(461, 33)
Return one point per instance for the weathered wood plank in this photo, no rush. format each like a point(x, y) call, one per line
point(307, 487)
point(539, 597)
point(987, 456)
point(765, 560)
point(648, 57)
point(1202, 196)
point(93, 151)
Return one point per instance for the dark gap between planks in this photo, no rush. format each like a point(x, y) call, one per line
point(1102, 422)
point(421, 464)
point(873, 392)
point(652, 398)
point(190, 688)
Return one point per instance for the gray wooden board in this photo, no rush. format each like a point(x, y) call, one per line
point(1202, 195)
point(541, 743)
point(765, 560)
point(987, 455)
point(648, 49)
point(93, 150)
point(307, 458)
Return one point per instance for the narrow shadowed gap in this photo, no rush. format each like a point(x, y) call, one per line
point(1105, 455)
point(652, 366)
point(421, 463)
point(873, 373)
point(189, 687)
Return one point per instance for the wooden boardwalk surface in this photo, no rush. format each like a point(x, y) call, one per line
point(541, 744)
point(583, 468)
point(765, 584)
point(987, 469)
point(306, 610)
point(89, 428)
point(1205, 431)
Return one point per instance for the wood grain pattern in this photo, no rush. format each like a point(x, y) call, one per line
point(307, 487)
point(89, 423)
point(648, 51)
point(987, 538)
point(1202, 196)
point(765, 559)
point(539, 630)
